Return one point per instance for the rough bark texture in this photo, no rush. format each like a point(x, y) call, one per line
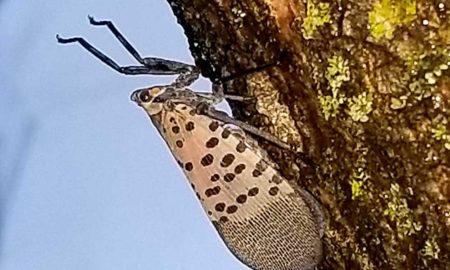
point(361, 87)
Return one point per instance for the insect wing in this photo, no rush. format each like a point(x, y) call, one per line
point(262, 220)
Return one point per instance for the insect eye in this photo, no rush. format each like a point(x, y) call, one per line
point(144, 96)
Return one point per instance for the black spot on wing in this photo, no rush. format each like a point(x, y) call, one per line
point(227, 160)
point(212, 142)
point(213, 125)
point(207, 160)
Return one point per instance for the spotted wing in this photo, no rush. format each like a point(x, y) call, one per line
point(262, 220)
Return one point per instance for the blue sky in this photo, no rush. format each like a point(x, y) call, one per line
point(85, 180)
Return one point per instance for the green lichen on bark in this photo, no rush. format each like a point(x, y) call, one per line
point(357, 181)
point(360, 107)
point(317, 15)
point(431, 249)
point(337, 73)
point(399, 213)
point(387, 15)
point(442, 134)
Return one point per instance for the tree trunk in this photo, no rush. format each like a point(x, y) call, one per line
point(363, 89)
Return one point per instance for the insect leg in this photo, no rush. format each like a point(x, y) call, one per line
point(150, 65)
point(214, 100)
point(217, 91)
point(120, 37)
point(157, 66)
point(217, 96)
point(208, 110)
point(102, 57)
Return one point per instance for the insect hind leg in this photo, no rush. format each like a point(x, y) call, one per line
point(187, 74)
point(119, 36)
point(208, 110)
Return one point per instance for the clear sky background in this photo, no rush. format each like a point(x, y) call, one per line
point(85, 180)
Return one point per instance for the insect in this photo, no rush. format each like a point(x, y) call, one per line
point(263, 221)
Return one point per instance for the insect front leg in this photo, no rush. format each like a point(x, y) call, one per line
point(217, 90)
point(187, 74)
point(218, 85)
point(217, 95)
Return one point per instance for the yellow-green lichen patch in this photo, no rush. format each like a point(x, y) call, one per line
point(432, 76)
point(425, 69)
point(330, 105)
point(432, 62)
point(356, 186)
point(387, 15)
point(398, 103)
point(432, 65)
point(317, 15)
point(398, 212)
point(359, 176)
point(420, 89)
point(440, 133)
point(337, 73)
point(360, 106)
point(431, 249)
point(357, 181)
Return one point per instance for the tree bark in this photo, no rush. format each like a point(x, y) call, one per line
point(363, 89)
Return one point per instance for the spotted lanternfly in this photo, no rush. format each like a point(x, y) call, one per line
point(262, 220)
